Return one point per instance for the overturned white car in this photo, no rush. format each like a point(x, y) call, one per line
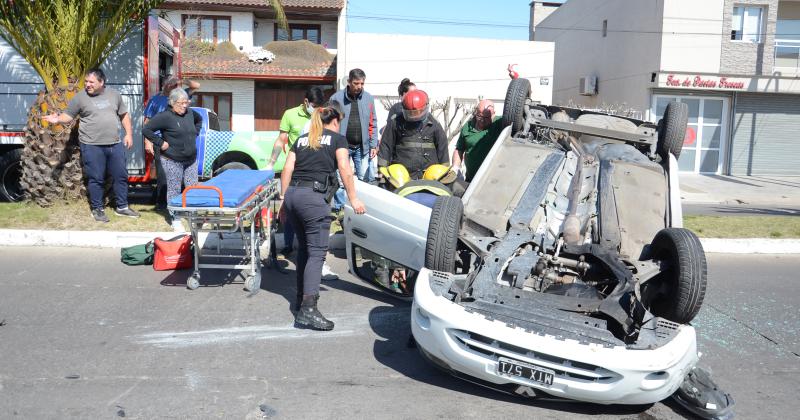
point(563, 271)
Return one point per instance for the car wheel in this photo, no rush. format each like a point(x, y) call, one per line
point(440, 248)
point(231, 165)
point(672, 129)
point(519, 90)
point(10, 175)
point(677, 293)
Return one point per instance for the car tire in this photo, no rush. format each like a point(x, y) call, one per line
point(10, 175)
point(231, 165)
point(443, 228)
point(519, 90)
point(672, 129)
point(677, 293)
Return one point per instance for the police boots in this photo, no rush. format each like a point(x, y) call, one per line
point(310, 317)
point(299, 296)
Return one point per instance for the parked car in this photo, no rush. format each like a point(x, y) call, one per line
point(564, 271)
point(218, 151)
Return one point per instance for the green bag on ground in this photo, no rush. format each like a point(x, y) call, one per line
point(138, 254)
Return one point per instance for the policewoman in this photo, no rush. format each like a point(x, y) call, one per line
point(309, 182)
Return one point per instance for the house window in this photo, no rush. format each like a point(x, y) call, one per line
point(298, 31)
point(746, 24)
point(213, 29)
point(605, 28)
point(219, 103)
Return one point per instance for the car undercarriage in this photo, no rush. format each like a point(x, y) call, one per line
point(563, 271)
point(571, 230)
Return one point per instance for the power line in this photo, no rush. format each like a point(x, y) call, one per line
point(629, 76)
point(419, 82)
point(435, 21)
point(404, 60)
point(635, 31)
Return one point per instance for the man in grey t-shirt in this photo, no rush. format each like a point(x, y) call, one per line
point(101, 110)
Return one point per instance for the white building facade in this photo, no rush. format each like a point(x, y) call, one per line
point(461, 69)
point(735, 63)
point(250, 96)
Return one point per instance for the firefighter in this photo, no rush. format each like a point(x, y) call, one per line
point(414, 138)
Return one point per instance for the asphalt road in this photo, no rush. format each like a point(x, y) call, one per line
point(83, 336)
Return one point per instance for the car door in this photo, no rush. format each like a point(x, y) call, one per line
point(393, 228)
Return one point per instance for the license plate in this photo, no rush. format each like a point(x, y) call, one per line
point(514, 368)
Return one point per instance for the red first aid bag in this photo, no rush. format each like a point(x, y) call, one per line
point(173, 254)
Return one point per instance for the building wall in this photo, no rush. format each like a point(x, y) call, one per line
point(692, 32)
point(447, 66)
point(265, 32)
point(623, 60)
point(539, 12)
point(242, 95)
point(241, 24)
point(739, 57)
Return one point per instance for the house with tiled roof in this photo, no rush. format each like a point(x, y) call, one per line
point(250, 70)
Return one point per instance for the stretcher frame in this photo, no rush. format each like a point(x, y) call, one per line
point(257, 237)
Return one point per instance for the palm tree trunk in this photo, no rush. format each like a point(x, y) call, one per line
point(51, 160)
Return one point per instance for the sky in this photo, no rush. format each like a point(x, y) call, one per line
point(499, 19)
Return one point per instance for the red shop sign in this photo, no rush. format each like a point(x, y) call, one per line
point(704, 82)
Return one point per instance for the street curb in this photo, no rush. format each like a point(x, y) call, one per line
point(105, 239)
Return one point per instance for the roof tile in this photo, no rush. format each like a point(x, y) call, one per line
point(241, 66)
point(319, 4)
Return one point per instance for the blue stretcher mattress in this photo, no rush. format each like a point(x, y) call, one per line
point(236, 186)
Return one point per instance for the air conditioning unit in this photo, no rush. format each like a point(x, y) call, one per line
point(588, 85)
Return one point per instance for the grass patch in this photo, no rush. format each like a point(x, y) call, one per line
point(778, 227)
point(76, 216)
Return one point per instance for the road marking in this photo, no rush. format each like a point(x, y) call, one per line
point(346, 325)
point(126, 392)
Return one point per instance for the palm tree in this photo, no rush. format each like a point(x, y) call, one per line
point(280, 15)
point(62, 39)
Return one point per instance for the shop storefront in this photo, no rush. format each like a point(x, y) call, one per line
point(734, 126)
point(707, 134)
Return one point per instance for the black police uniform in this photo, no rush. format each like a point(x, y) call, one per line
point(306, 207)
point(415, 145)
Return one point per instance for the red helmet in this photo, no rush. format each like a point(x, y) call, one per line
point(415, 105)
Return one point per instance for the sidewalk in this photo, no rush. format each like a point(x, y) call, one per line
point(695, 189)
point(104, 239)
point(741, 190)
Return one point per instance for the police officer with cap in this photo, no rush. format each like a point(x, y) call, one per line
point(309, 181)
point(414, 138)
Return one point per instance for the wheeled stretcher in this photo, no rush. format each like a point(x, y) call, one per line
point(237, 204)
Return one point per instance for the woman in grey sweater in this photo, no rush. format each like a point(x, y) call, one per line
point(174, 132)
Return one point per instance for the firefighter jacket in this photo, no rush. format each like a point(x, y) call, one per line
point(415, 145)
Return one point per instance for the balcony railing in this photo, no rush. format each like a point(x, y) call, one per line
point(787, 56)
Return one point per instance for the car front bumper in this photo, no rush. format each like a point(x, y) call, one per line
point(468, 344)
